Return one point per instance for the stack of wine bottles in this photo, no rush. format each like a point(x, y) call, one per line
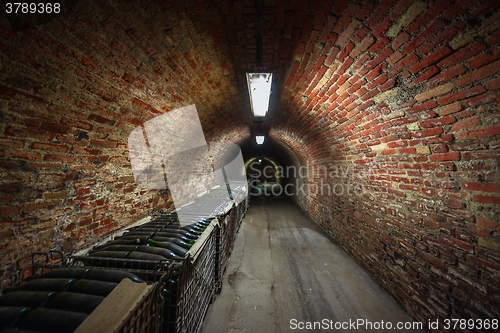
point(162, 239)
point(57, 301)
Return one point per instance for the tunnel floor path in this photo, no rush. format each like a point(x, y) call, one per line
point(285, 271)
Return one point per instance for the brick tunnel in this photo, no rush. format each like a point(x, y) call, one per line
point(391, 107)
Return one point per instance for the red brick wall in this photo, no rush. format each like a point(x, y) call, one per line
point(403, 97)
point(71, 91)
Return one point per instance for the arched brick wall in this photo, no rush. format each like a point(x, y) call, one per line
point(397, 96)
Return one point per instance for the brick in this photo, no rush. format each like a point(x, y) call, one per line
point(403, 63)
point(407, 151)
point(55, 128)
point(104, 144)
point(451, 156)
point(445, 35)
point(388, 152)
point(460, 95)
point(11, 143)
point(439, 90)
point(454, 11)
point(409, 188)
point(347, 33)
point(428, 105)
point(434, 10)
point(413, 11)
point(35, 206)
point(6, 211)
point(439, 148)
point(399, 8)
point(486, 223)
point(400, 40)
point(464, 146)
point(482, 187)
point(487, 199)
point(396, 192)
point(395, 57)
point(445, 76)
point(137, 102)
point(427, 132)
point(480, 155)
point(453, 242)
point(449, 109)
point(484, 58)
point(479, 133)
point(462, 55)
point(440, 121)
point(486, 98)
point(478, 74)
point(426, 75)
point(382, 56)
point(50, 146)
point(379, 45)
point(493, 84)
point(425, 150)
point(59, 158)
point(494, 38)
point(466, 123)
point(389, 84)
point(431, 59)
point(433, 261)
point(101, 120)
point(365, 43)
point(345, 51)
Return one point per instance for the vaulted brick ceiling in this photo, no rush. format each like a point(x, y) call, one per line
point(332, 60)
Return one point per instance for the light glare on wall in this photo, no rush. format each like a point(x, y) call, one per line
point(259, 139)
point(259, 89)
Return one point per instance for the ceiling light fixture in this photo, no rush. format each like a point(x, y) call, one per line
point(259, 139)
point(259, 89)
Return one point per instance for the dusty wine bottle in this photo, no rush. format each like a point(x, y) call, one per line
point(193, 227)
point(157, 224)
point(110, 254)
point(188, 230)
point(41, 284)
point(145, 227)
point(178, 250)
point(175, 240)
point(9, 316)
point(50, 320)
point(188, 240)
point(64, 272)
point(92, 287)
point(169, 254)
point(167, 218)
point(139, 240)
point(31, 299)
point(124, 241)
point(138, 233)
point(115, 247)
point(74, 302)
point(111, 275)
point(103, 258)
point(177, 231)
point(146, 256)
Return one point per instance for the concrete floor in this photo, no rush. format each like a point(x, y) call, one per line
point(284, 267)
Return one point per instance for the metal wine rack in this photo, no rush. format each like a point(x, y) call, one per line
point(180, 291)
